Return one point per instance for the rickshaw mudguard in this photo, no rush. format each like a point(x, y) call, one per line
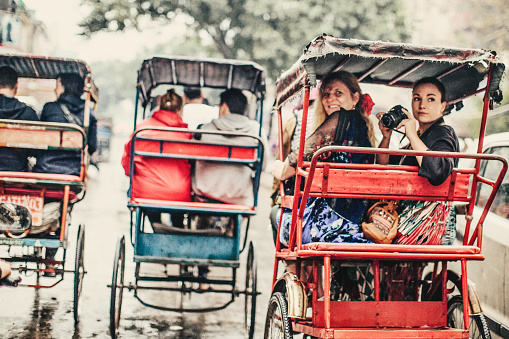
point(473, 298)
point(295, 294)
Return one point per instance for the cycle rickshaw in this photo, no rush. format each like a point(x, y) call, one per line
point(444, 303)
point(179, 249)
point(27, 191)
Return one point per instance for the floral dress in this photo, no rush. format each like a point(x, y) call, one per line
point(332, 219)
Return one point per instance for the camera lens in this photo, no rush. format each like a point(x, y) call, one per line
point(393, 118)
point(388, 121)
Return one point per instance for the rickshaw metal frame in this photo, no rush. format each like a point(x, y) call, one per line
point(364, 59)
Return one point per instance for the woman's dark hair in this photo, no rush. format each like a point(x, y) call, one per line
point(73, 83)
point(432, 81)
point(171, 101)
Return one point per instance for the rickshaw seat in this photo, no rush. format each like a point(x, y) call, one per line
point(41, 135)
point(35, 135)
point(195, 150)
point(395, 184)
point(40, 176)
point(385, 184)
point(388, 251)
point(192, 206)
point(157, 146)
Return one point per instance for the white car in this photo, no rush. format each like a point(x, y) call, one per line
point(490, 275)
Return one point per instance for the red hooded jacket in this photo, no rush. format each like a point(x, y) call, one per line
point(159, 178)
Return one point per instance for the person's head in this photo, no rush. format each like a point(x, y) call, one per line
point(338, 90)
point(171, 101)
point(233, 101)
point(428, 100)
point(69, 84)
point(8, 79)
point(193, 94)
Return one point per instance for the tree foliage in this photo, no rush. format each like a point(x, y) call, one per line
point(272, 33)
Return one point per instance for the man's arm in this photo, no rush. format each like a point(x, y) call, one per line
point(5, 269)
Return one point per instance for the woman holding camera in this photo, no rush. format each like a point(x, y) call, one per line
point(425, 130)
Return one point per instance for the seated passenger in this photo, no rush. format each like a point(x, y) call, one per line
point(220, 182)
point(158, 178)
point(228, 183)
point(196, 112)
point(12, 159)
point(425, 222)
point(68, 108)
point(339, 110)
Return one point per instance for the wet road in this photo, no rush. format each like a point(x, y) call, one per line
point(48, 313)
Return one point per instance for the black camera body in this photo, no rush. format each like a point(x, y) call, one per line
point(392, 118)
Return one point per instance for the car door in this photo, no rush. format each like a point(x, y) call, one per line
point(491, 275)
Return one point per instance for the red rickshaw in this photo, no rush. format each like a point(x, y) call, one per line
point(444, 304)
point(27, 191)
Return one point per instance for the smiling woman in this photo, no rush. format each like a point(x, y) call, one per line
point(341, 119)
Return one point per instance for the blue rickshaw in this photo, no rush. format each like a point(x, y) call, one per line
point(179, 249)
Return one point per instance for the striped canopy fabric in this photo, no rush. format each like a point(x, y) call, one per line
point(392, 64)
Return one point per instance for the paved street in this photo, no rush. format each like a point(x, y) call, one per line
point(48, 313)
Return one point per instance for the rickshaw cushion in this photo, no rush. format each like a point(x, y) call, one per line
point(184, 205)
point(41, 176)
point(393, 248)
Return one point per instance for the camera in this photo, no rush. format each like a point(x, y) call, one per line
point(392, 118)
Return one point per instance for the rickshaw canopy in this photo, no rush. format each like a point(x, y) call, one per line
point(44, 67)
point(204, 72)
point(392, 64)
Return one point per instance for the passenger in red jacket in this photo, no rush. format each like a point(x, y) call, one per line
point(158, 178)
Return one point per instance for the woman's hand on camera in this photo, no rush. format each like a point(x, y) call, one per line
point(386, 132)
point(410, 124)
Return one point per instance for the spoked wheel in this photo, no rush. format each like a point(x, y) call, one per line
point(251, 293)
point(278, 324)
point(117, 287)
point(79, 271)
point(478, 327)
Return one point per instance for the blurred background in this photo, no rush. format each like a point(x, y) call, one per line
point(114, 36)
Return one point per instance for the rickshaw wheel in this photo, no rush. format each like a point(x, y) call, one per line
point(277, 324)
point(478, 327)
point(79, 272)
point(117, 287)
point(251, 292)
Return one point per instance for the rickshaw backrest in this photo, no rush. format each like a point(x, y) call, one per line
point(36, 135)
point(164, 143)
point(168, 146)
point(41, 136)
point(394, 183)
point(193, 149)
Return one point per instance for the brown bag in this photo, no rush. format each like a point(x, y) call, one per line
point(382, 224)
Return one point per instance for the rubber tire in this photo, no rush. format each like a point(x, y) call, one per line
point(116, 280)
point(251, 292)
point(478, 325)
point(79, 271)
point(277, 318)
